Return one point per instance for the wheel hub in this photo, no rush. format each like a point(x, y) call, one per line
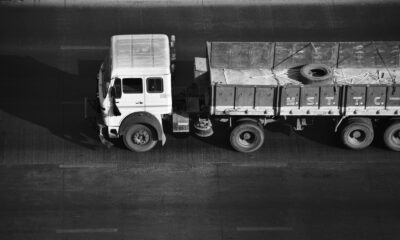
point(396, 137)
point(246, 136)
point(357, 136)
point(141, 137)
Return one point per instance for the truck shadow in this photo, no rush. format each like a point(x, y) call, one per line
point(322, 131)
point(220, 138)
point(48, 97)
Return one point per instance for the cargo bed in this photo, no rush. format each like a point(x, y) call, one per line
point(263, 79)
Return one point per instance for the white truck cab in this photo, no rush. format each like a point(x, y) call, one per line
point(134, 86)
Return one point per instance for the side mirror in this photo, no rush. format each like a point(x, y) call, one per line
point(117, 89)
point(112, 92)
point(172, 48)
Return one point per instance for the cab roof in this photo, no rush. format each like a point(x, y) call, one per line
point(145, 54)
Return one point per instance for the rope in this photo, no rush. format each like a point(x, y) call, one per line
point(291, 55)
point(387, 69)
point(275, 77)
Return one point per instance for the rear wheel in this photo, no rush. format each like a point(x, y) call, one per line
point(139, 138)
point(247, 137)
point(357, 133)
point(391, 137)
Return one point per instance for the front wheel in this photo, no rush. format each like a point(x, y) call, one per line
point(391, 137)
point(139, 138)
point(247, 137)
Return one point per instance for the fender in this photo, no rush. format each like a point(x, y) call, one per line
point(248, 119)
point(392, 119)
point(388, 121)
point(338, 123)
point(143, 118)
point(346, 119)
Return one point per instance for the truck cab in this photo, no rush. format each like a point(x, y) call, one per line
point(134, 86)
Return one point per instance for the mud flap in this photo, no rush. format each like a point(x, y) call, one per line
point(163, 139)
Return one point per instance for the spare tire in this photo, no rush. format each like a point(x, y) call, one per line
point(316, 73)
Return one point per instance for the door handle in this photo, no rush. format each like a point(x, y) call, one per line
point(116, 101)
point(140, 102)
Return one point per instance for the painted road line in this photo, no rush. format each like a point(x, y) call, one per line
point(71, 102)
point(255, 229)
point(175, 3)
point(94, 165)
point(88, 230)
point(83, 47)
point(262, 164)
point(66, 102)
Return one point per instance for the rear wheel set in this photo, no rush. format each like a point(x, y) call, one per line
point(358, 133)
point(391, 136)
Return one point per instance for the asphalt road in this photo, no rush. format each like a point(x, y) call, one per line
point(58, 182)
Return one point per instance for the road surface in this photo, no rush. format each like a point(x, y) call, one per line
point(58, 182)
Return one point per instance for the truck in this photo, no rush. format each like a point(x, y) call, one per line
point(248, 85)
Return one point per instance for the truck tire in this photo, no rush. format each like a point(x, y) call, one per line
point(247, 137)
point(316, 73)
point(357, 133)
point(391, 136)
point(139, 138)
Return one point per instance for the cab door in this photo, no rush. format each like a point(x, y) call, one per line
point(132, 96)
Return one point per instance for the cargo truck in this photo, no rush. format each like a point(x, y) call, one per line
point(248, 85)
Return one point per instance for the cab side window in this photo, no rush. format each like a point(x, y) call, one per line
point(155, 85)
point(132, 85)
